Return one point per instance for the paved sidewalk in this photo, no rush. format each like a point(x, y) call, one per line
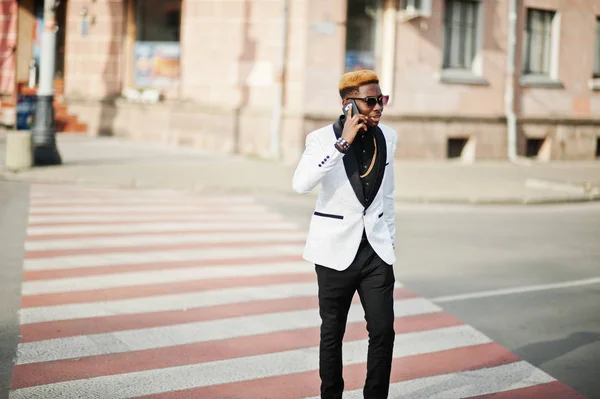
point(14, 203)
point(122, 163)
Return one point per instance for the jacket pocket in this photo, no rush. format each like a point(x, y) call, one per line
point(328, 215)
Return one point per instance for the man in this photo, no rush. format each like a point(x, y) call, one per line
point(352, 231)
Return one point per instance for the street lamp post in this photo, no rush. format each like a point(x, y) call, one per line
point(43, 134)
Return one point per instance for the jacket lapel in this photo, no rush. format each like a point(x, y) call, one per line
point(351, 164)
point(381, 161)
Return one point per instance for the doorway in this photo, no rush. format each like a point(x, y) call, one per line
point(29, 44)
point(61, 22)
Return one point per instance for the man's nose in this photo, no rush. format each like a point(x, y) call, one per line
point(378, 106)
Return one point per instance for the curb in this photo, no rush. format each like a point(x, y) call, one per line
point(498, 201)
point(584, 188)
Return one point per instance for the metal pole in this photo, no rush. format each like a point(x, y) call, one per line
point(278, 104)
point(43, 133)
point(511, 116)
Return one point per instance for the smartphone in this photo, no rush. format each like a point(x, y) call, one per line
point(347, 107)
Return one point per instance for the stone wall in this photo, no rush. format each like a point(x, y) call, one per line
point(230, 58)
point(8, 43)
point(230, 53)
point(93, 63)
point(576, 98)
point(419, 87)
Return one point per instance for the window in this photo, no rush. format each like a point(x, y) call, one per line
point(534, 147)
point(597, 50)
point(157, 50)
point(455, 147)
point(461, 33)
point(538, 42)
point(157, 20)
point(362, 32)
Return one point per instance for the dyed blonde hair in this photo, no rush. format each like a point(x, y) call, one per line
point(351, 81)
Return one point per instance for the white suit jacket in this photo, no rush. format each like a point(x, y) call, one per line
point(341, 214)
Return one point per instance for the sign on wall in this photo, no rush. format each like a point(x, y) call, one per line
point(156, 64)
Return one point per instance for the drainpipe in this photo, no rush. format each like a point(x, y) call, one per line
point(278, 104)
point(509, 95)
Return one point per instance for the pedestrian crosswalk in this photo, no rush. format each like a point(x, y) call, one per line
point(157, 294)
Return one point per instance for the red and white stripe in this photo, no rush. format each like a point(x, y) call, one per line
point(158, 294)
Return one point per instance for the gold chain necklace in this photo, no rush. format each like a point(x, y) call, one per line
point(372, 160)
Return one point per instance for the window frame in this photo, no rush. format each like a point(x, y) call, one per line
point(420, 8)
point(449, 30)
point(594, 82)
point(128, 80)
point(472, 74)
point(407, 4)
point(596, 67)
point(377, 36)
point(549, 78)
point(545, 46)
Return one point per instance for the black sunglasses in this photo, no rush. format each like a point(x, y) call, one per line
point(371, 101)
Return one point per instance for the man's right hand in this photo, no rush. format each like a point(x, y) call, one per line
point(353, 125)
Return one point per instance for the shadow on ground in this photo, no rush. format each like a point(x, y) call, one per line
point(542, 352)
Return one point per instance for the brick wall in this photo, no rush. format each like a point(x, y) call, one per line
point(8, 42)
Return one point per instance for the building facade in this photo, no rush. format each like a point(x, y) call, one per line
point(255, 76)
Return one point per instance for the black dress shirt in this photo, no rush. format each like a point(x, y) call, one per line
point(364, 148)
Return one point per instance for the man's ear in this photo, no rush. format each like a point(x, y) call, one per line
point(344, 102)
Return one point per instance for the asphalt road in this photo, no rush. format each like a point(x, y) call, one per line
point(445, 252)
point(13, 218)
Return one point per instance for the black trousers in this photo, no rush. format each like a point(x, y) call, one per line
point(374, 281)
